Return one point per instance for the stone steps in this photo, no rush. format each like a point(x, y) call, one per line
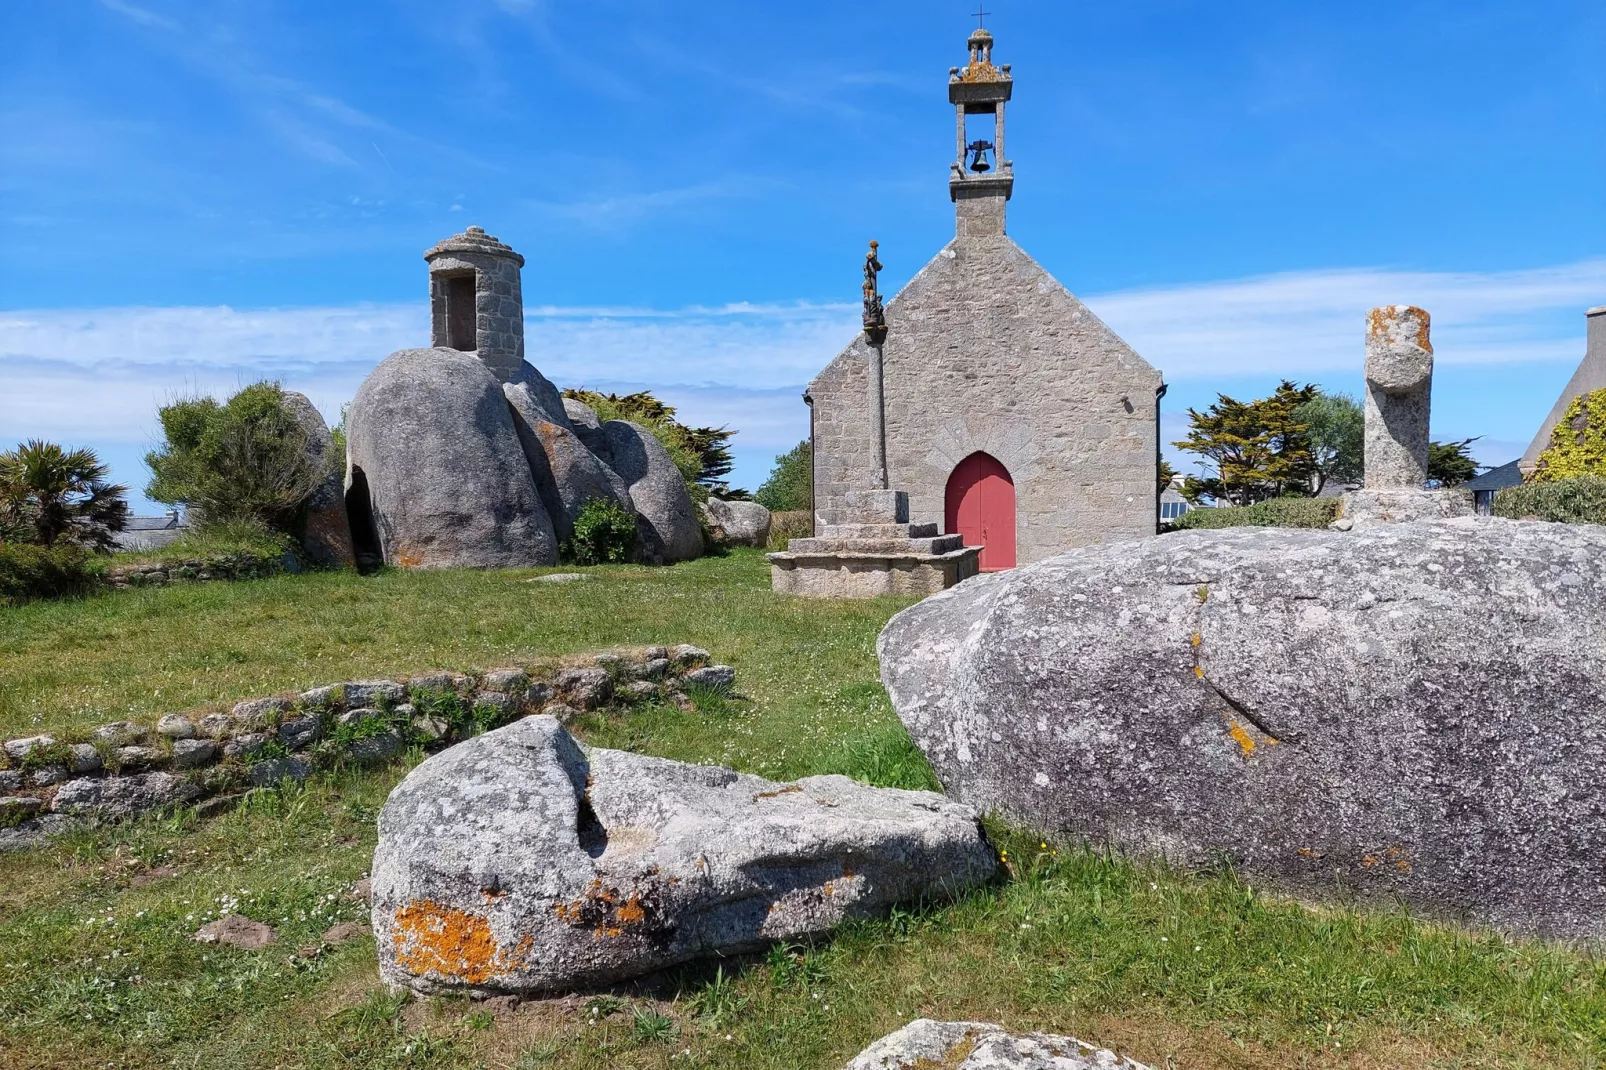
point(936, 545)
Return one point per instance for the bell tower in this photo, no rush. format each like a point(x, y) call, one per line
point(981, 178)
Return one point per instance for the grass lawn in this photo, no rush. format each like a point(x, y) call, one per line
point(97, 967)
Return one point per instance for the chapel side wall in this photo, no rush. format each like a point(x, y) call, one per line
point(987, 352)
point(843, 459)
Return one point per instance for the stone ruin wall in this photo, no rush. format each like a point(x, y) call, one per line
point(987, 352)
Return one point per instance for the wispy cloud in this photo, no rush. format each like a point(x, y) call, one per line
point(96, 375)
point(1311, 321)
point(143, 16)
point(619, 210)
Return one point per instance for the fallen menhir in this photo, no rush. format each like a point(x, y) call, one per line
point(521, 862)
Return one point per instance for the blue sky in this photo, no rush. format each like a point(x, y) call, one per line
point(195, 195)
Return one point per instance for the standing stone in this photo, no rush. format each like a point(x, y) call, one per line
point(326, 530)
point(448, 484)
point(670, 531)
point(1399, 380)
point(567, 474)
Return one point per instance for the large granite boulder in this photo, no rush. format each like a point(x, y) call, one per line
point(927, 1045)
point(432, 438)
point(738, 523)
point(583, 420)
point(519, 861)
point(567, 474)
point(670, 530)
point(1409, 710)
point(326, 530)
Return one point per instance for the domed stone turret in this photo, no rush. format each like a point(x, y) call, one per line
point(475, 301)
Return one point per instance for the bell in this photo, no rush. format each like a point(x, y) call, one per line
point(979, 150)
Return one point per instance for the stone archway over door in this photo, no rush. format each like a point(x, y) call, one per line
point(981, 507)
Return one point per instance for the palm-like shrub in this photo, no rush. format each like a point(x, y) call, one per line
point(50, 496)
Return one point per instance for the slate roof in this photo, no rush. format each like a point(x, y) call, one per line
point(1507, 475)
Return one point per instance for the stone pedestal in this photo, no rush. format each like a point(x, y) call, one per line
point(1363, 508)
point(869, 548)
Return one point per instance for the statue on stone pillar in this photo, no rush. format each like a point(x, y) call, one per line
point(875, 318)
point(875, 332)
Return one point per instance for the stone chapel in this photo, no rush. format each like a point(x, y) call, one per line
point(1012, 414)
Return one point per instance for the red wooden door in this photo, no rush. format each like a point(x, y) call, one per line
point(981, 507)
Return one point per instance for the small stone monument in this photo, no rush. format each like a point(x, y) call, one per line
point(866, 546)
point(1399, 384)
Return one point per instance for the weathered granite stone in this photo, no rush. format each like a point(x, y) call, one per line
point(193, 753)
point(1399, 382)
point(686, 654)
point(516, 862)
point(652, 669)
point(267, 773)
point(449, 682)
point(299, 732)
point(49, 775)
point(927, 1045)
point(668, 523)
point(737, 523)
point(1408, 710)
point(322, 698)
point(432, 728)
point(18, 750)
point(503, 703)
point(448, 484)
point(508, 680)
point(123, 796)
point(10, 779)
point(717, 677)
point(83, 758)
point(176, 726)
point(584, 688)
point(640, 689)
point(359, 715)
point(374, 693)
point(255, 714)
point(567, 474)
point(138, 759)
point(584, 421)
point(120, 732)
point(376, 749)
point(558, 577)
point(217, 725)
point(1360, 508)
point(325, 527)
point(246, 745)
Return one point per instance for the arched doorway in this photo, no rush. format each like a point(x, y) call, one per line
point(981, 507)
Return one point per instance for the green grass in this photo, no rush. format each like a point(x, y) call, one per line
point(241, 539)
point(1192, 970)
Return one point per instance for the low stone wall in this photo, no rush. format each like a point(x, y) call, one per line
point(229, 567)
point(51, 782)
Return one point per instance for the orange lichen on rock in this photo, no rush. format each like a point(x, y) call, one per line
point(1245, 741)
point(434, 939)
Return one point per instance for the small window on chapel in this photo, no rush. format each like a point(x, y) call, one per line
point(460, 317)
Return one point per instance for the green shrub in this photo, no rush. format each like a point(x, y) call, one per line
point(1577, 446)
point(792, 524)
point(247, 459)
point(230, 540)
point(604, 533)
point(28, 572)
point(1273, 513)
point(1580, 500)
point(790, 486)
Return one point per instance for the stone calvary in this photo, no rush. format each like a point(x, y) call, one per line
point(463, 454)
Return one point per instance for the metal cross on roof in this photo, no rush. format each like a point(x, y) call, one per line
point(981, 16)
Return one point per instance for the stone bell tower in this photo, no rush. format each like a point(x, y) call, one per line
point(982, 177)
point(475, 301)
